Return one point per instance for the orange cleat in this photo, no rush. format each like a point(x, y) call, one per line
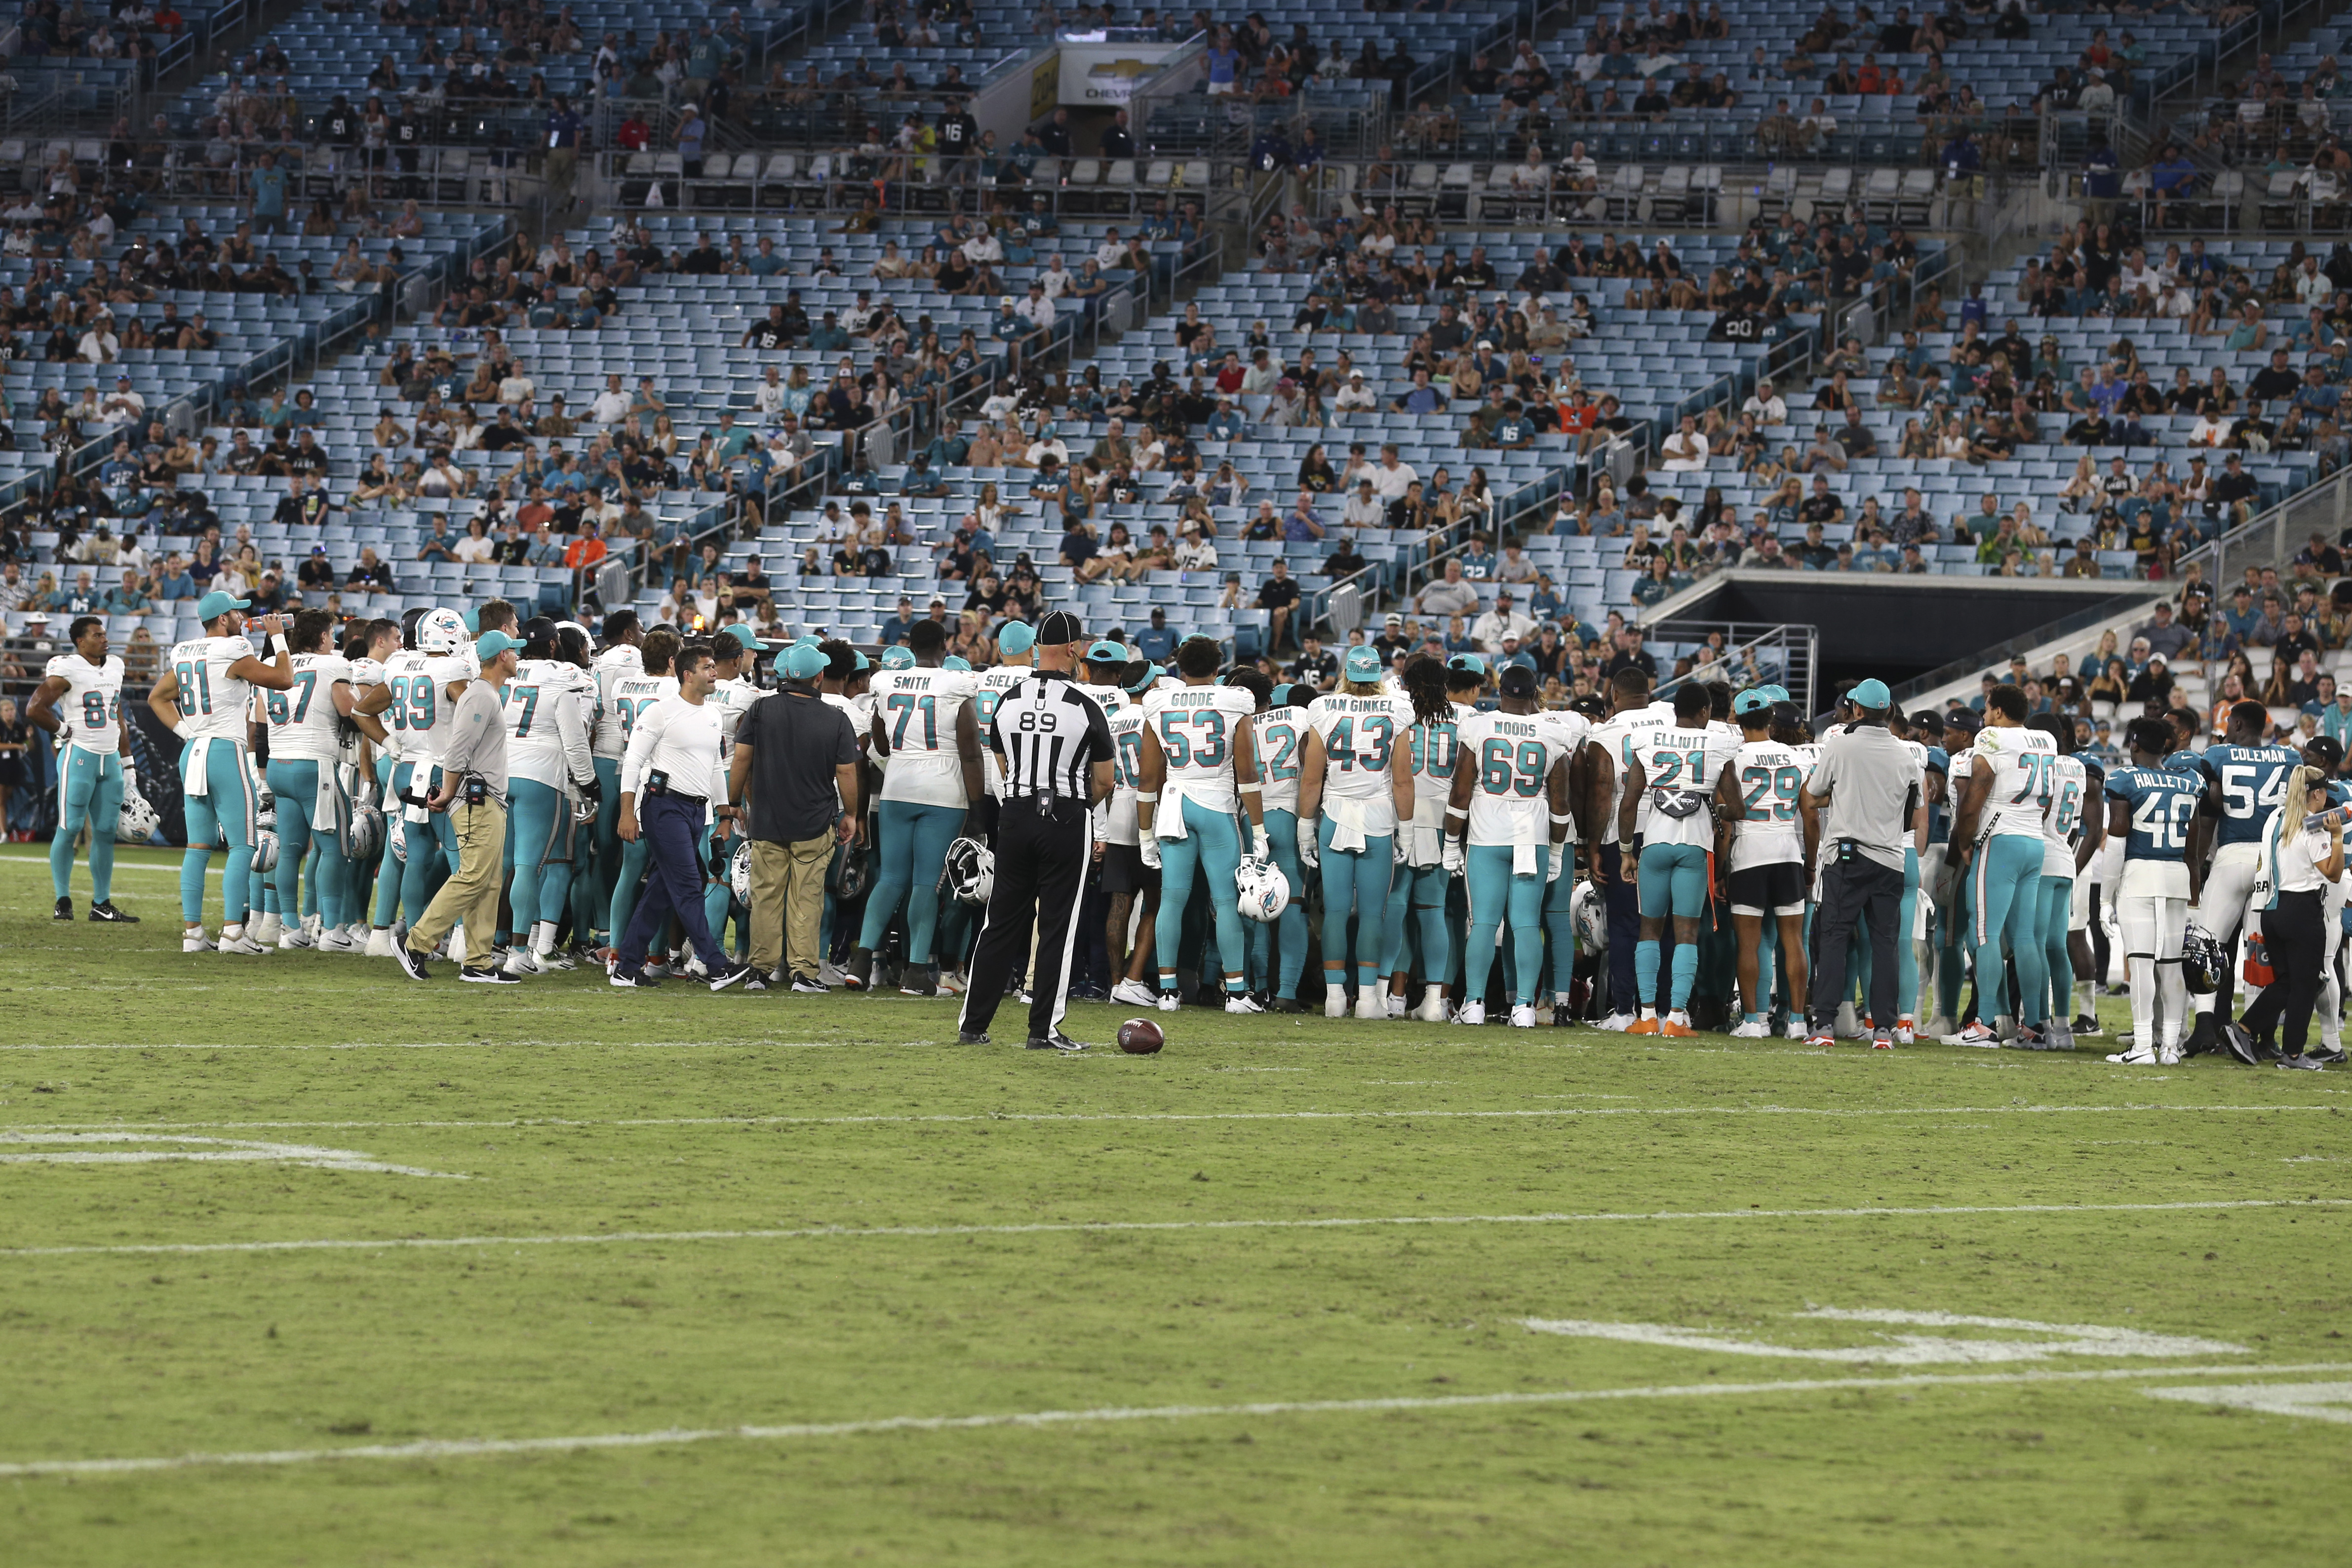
point(1643, 1026)
point(1676, 1028)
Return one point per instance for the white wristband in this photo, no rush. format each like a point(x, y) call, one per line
point(1250, 789)
point(278, 643)
point(1563, 818)
point(1145, 796)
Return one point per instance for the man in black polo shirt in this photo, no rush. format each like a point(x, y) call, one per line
point(794, 771)
point(1278, 594)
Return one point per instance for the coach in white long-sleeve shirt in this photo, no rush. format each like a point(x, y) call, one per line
point(669, 778)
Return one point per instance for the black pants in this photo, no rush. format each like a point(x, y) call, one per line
point(2295, 935)
point(1853, 891)
point(1041, 859)
point(1624, 906)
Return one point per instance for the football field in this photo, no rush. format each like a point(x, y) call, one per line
point(302, 1263)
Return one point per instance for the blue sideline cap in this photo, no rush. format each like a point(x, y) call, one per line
point(863, 662)
point(899, 656)
point(1363, 663)
point(1151, 673)
point(956, 661)
point(1106, 652)
point(1467, 663)
point(801, 662)
point(218, 603)
point(1871, 695)
point(490, 645)
point(1018, 638)
point(744, 636)
point(1753, 702)
point(1777, 693)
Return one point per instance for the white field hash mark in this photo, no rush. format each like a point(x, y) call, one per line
point(888, 1118)
point(487, 1447)
point(27, 1148)
point(1086, 1227)
point(1908, 1350)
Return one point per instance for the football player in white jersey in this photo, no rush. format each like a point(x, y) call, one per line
point(1125, 878)
point(415, 702)
point(305, 723)
point(735, 659)
point(1199, 773)
point(94, 766)
point(2071, 828)
point(548, 704)
point(204, 694)
point(1559, 919)
point(1758, 795)
point(1278, 952)
point(622, 657)
point(923, 723)
point(1016, 649)
point(1420, 883)
point(1673, 772)
point(1506, 825)
point(1355, 786)
point(1631, 717)
point(1997, 824)
point(627, 698)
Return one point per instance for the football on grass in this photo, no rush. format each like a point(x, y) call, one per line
point(1141, 1038)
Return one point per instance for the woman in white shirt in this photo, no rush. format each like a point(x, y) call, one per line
point(475, 547)
point(2303, 857)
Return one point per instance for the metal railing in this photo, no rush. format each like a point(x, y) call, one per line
point(2273, 535)
point(1791, 650)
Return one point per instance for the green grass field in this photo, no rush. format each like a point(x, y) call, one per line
point(561, 1275)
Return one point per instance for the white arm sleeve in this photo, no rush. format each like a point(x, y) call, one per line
point(572, 732)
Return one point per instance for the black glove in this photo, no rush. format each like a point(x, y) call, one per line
point(591, 790)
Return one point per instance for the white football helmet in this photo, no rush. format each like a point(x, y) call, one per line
point(138, 821)
point(395, 840)
point(738, 873)
point(970, 871)
point(1265, 890)
point(1588, 910)
point(264, 851)
point(441, 631)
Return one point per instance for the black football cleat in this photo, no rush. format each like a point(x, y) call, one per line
point(1056, 1041)
point(971, 1037)
point(412, 963)
point(2325, 1056)
point(107, 914)
point(64, 910)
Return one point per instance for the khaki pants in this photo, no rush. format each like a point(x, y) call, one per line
point(788, 903)
point(472, 895)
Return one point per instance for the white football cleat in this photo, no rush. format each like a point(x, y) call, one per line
point(1939, 1025)
point(1242, 1002)
point(1396, 1005)
point(1523, 1016)
point(1335, 1000)
point(312, 925)
point(1906, 1030)
point(293, 937)
point(1754, 1029)
point(244, 944)
point(2168, 1054)
point(1135, 993)
point(950, 982)
point(2135, 1058)
point(337, 940)
point(1167, 1001)
point(1616, 1023)
point(1975, 1035)
point(379, 942)
point(192, 940)
point(522, 961)
point(1433, 1009)
point(1793, 1030)
point(1371, 1007)
point(265, 929)
point(1471, 1013)
point(829, 975)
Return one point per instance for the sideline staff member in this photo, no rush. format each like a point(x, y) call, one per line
point(474, 793)
point(2302, 856)
point(1053, 746)
point(794, 769)
point(667, 779)
point(1871, 782)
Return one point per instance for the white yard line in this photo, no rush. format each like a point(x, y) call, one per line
point(1535, 1113)
point(850, 1233)
point(486, 1447)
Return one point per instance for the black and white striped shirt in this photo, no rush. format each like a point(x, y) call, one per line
point(1050, 734)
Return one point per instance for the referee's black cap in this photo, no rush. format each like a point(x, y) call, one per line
point(1059, 629)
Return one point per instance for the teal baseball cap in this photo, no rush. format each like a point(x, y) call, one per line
point(802, 661)
point(1775, 693)
point(1871, 695)
point(807, 639)
point(216, 603)
point(1018, 638)
point(744, 636)
point(956, 661)
point(1754, 700)
point(490, 645)
point(1468, 663)
point(899, 658)
point(1363, 663)
point(1106, 652)
point(1151, 673)
point(863, 662)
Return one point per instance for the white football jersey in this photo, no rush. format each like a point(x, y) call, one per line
point(1768, 777)
point(916, 709)
point(1677, 764)
point(302, 719)
point(1127, 770)
point(421, 707)
point(92, 709)
point(995, 683)
point(1195, 726)
point(1620, 732)
point(610, 737)
point(1278, 731)
point(1359, 735)
point(212, 700)
point(1433, 748)
point(2062, 820)
point(366, 675)
point(629, 694)
point(1511, 756)
point(733, 699)
point(2021, 762)
point(1574, 728)
point(546, 706)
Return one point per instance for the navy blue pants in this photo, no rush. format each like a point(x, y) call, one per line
point(671, 826)
point(1624, 932)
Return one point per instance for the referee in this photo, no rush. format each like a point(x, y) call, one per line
point(1054, 747)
